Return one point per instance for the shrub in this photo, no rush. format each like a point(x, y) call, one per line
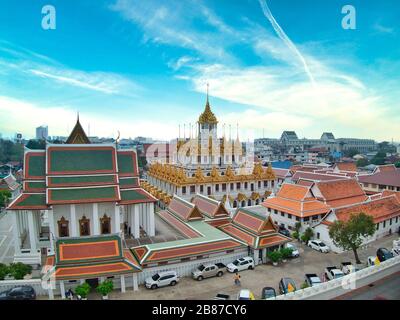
point(304, 285)
point(286, 253)
point(83, 290)
point(4, 271)
point(297, 227)
point(105, 287)
point(274, 256)
point(296, 235)
point(307, 235)
point(19, 270)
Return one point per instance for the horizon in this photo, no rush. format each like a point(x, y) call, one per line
point(141, 68)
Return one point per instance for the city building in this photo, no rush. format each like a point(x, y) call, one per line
point(385, 177)
point(42, 133)
point(385, 210)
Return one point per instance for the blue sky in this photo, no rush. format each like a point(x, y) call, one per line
point(141, 67)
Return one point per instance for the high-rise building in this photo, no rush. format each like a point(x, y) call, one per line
point(42, 132)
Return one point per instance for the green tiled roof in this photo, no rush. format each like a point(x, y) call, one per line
point(127, 195)
point(128, 182)
point(83, 194)
point(77, 180)
point(126, 163)
point(80, 160)
point(26, 201)
point(36, 185)
point(37, 165)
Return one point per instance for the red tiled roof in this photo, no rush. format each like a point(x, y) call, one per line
point(210, 207)
point(184, 209)
point(315, 176)
point(346, 166)
point(177, 224)
point(380, 209)
point(273, 241)
point(387, 177)
point(341, 192)
point(386, 193)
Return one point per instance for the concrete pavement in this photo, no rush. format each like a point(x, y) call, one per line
point(6, 239)
point(310, 261)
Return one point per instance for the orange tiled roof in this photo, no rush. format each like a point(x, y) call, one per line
point(346, 166)
point(380, 209)
point(293, 191)
point(389, 193)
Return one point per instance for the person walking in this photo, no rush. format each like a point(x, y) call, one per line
point(237, 279)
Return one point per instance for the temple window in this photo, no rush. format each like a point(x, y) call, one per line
point(238, 185)
point(105, 224)
point(63, 227)
point(224, 187)
point(217, 187)
point(201, 188)
point(84, 226)
point(232, 186)
point(245, 185)
point(192, 189)
point(183, 190)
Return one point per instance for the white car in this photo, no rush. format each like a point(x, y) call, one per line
point(295, 251)
point(241, 264)
point(245, 294)
point(319, 246)
point(162, 279)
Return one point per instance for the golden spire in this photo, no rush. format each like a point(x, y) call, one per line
point(208, 116)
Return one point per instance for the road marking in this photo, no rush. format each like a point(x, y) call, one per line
point(4, 239)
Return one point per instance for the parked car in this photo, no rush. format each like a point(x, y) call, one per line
point(222, 296)
point(208, 271)
point(312, 279)
point(162, 279)
point(19, 293)
point(284, 231)
point(383, 254)
point(333, 273)
point(286, 285)
point(245, 294)
point(268, 292)
point(295, 251)
point(348, 267)
point(371, 261)
point(318, 245)
point(241, 264)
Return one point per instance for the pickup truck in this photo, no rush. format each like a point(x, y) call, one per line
point(348, 267)
point(333, 273)
point(208, 271)
point(312, 279)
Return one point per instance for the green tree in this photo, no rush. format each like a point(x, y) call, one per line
point(19, 270)
point(307, 235)
point(4, 271)
point(379, 158)
point(105, 287)
point(83, 290)
point(351, 153)
point(397, 164)
point(349, 235)
point(362, 162)
point(36, 144)
point(5, 195)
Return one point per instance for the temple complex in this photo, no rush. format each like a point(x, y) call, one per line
point(216, 167)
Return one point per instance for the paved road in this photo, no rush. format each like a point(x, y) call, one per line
point(387, 289)
point(6, 239)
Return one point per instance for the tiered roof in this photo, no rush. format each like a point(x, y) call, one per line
point(201, 238)
point(338, 193)
point(297, 200)
point(86, 257)
point(255, 230)
point(214, 211)
point(74, 173)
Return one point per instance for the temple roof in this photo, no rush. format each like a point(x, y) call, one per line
point(78, 135)
point(208, 116)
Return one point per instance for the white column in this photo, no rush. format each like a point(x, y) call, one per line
point(96, 221)
point(16, 233)
point(73, 223)
point(136, 230)
point(117, 219)
point(256, 256)
point(135, 282)
point(52, 234)
point(152, 227)
point(32, 232)
point(62, 289)
point(51, 293)
point(122, 283)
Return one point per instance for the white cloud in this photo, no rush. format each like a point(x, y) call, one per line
point(383, 29)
